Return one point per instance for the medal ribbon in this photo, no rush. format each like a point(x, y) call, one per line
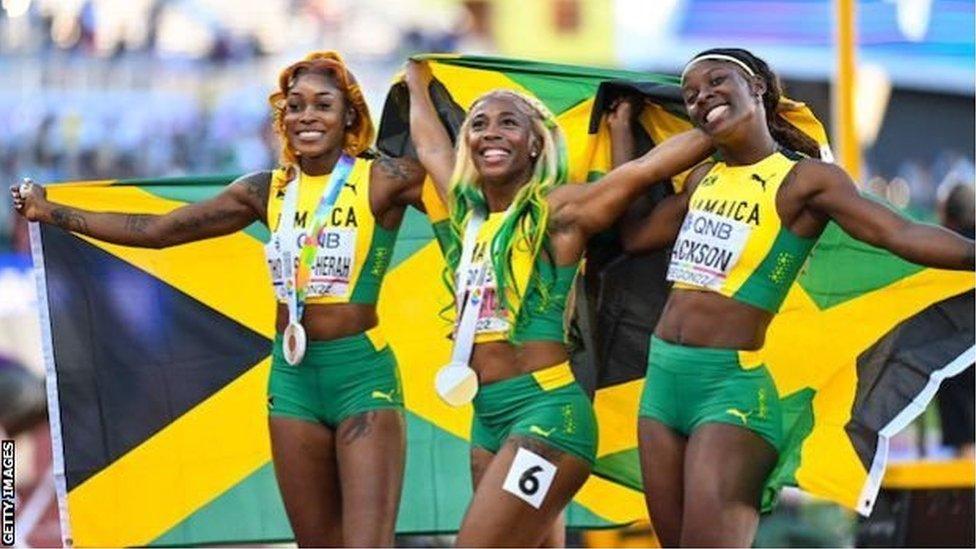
point(468, 310)
point(297, 280)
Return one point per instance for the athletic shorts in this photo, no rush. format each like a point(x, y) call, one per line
point(686, 387)
point(336, 379)
point(547, 405)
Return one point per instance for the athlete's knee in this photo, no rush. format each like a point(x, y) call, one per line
point(370, 537)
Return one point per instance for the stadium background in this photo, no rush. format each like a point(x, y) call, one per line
point(97, 89)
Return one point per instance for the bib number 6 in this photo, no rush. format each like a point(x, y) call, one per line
point(528, 482)
point(530, 477)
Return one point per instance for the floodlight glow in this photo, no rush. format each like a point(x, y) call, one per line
point(16, 8)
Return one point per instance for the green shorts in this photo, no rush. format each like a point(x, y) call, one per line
point(547, 405)
point(688, 386)
point(337, 379)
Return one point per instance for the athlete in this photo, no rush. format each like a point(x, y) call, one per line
point(334, 395)
point(534, 434)
point(710, 426)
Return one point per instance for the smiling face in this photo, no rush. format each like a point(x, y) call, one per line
point(502, 141)
point(719, 96)
point(316, 115)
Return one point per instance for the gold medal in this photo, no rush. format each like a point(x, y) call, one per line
point(456, 384)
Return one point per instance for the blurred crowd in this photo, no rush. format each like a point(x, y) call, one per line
point(63, 134)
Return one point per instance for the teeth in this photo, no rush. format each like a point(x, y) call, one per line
point(309, 134)
point(494, 153)
point(715, 112)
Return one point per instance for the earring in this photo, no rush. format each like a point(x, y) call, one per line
point(534, 154)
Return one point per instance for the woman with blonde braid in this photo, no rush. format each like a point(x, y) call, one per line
point(334, 396)
point(517, 236)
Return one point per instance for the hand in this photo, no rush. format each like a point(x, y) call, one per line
point(623, 111)
point(29, 199)
point(418, 74)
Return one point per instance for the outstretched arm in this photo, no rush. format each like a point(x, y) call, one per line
point(434, 148)
point(659, 228)
point(832, 193)
point(240, 204)
point(594, 207)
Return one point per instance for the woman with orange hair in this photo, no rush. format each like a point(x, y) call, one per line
point(334, 209)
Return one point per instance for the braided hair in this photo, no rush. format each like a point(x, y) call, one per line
point(525, 225)
point(783, 132)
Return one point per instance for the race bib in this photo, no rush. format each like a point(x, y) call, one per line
point(529, 477)
point(707, 248)
point(332, 269)
point(491, 316)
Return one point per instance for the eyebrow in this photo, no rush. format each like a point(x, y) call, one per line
point(317, 94)
point(708, 72)
point(503, 113)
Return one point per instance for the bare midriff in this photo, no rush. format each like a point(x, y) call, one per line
point(707, 319)
point(331, 321)
point(499, 360)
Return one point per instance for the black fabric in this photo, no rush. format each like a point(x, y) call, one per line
point(667, 96)
point(128, 345)
point(957, 407)
point(624, 294)
point(893, 371)
point(394, 134)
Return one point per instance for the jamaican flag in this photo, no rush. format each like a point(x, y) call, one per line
point(859, 349)
point(158, 359)
point(158, 364)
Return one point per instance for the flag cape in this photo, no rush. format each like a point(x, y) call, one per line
point(857, 351)
point(158, 359)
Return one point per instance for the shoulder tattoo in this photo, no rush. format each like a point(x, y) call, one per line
point(400, 170)
point(258, 186)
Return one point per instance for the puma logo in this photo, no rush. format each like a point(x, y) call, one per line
point(755, 177)
point(384, 396)
point(744, 416)
point(535, 429)
point(351, 186)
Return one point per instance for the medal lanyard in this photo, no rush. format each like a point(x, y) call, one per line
point(305, 244)
point(468, 314)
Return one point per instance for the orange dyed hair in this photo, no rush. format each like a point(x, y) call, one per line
point(358, 137)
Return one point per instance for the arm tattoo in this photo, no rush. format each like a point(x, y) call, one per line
point(258, 186)
point(69, 219)
point(357, 427)
point(137, 223)
point(394, 169)
point(194, 224)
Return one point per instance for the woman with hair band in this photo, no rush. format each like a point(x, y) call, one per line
point(517, 234)
point(710, 427)
point(334, 395)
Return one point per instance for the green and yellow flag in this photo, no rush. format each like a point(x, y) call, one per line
point(157, 373)
point(158, 359)
point(859, 348)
